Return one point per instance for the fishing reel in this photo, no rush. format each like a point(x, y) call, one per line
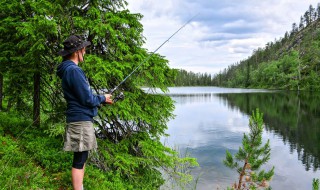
point(118, 97)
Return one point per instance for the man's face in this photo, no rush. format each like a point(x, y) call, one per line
point(81, 53)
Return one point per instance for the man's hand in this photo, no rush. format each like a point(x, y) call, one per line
point(108, 98)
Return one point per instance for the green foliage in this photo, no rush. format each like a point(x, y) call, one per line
point(315, 184)
point(290, 63)
point(131, 155)
point(52, 158)
point(18, 169)
point(190, 78)
point(251, 156)
point(179, 177)
point(55, 129)
point(13, 124)
point(138, 162)
point(24, 48)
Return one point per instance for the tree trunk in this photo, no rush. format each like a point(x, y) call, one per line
point(1, 91)
point(242, 174)
point(36, 99)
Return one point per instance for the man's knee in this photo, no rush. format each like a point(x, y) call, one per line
point(79, 159)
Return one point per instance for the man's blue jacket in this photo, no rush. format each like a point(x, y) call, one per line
point(81, 103)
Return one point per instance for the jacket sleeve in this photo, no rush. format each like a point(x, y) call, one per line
point(82, 91)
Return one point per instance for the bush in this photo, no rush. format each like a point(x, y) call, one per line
point(17, 169)
point(32, 158)
point(13, 124)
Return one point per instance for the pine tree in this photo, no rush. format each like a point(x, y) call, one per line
point(251, 156)
point(318, 10)
point(307, 18)
point(26, 28)
point(301, 25)
point(311, 13)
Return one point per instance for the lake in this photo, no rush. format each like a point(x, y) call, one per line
point(211, 120)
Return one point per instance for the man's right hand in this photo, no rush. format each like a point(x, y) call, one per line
point(108, 98)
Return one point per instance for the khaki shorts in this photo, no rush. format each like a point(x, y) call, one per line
point(80, 136)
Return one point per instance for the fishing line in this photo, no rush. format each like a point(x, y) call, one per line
point(151, 54)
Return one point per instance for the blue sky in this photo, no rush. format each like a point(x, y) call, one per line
point(223, 33)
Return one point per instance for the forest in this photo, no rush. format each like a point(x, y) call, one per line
point(130, 153)
point(289, 63)
point(189, 78)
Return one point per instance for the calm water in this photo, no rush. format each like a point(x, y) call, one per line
point(211, 120)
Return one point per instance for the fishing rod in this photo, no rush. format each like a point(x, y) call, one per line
point(121, 96)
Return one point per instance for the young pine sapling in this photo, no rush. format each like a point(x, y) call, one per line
point(251, 156)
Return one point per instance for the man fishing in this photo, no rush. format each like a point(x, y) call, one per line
point(81, 106)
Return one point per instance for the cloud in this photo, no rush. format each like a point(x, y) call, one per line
point(223, 33)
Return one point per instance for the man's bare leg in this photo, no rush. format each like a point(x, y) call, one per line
point(77, 178)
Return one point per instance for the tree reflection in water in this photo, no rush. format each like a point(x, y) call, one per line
point(294, 116)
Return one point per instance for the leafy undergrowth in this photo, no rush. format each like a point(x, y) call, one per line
point(32, 158)
point(28, 158)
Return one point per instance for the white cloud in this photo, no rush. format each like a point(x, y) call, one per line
point(224, 32)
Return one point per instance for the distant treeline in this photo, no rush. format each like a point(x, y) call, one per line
point(189, 78)
point(291, 62)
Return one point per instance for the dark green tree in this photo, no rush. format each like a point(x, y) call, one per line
point(28, 36)
point(307, 18)
point(318, 10)
point(130, 152)
point(301, 25)
point(311, 13)
point(294, 28)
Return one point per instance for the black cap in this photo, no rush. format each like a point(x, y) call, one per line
point(72, 44)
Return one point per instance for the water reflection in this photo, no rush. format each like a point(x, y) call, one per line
point(294, 116)
point(210, 120)
point(190, 98)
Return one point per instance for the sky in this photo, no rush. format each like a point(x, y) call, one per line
point(223, 32)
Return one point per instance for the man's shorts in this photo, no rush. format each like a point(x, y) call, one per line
point(80, 136)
